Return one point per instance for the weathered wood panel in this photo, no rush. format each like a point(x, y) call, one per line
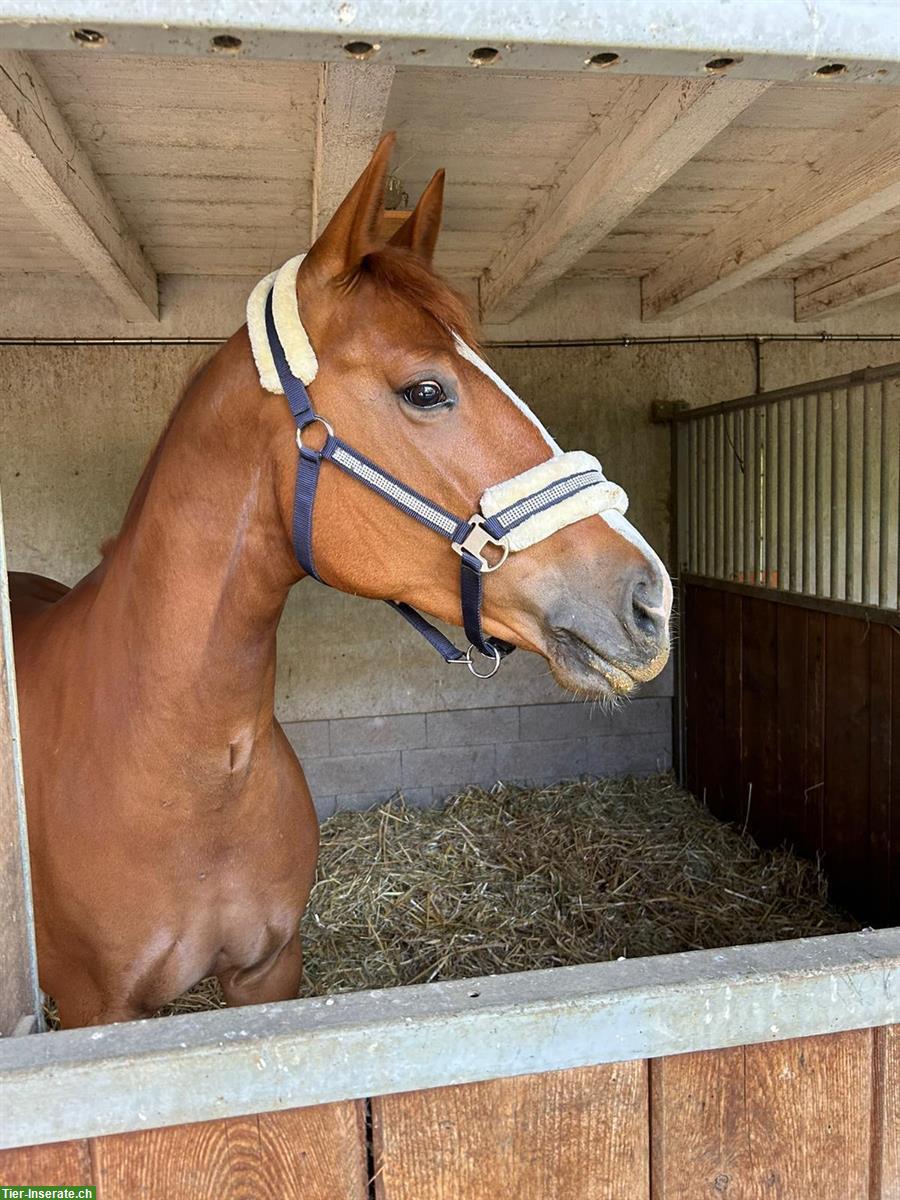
point(886, 1115)
point(316, 1153)
point(788, 1119)
point(311, 1153)
point(807, 751)
point(58, 1164)
point(813, 1118)
point(571, 1135)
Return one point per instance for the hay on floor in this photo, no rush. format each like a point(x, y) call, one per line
point(519, 878)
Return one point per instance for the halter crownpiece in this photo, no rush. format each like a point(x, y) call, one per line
point(512, 515)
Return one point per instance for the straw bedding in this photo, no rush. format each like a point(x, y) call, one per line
point(516, 878)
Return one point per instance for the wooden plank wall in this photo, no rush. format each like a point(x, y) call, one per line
point(792, 726)
point(809, 1119)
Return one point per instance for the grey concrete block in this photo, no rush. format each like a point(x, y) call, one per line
point(449, 769)
point(354, 774)
point(571, 719)
point(361, 802)
point(629, 754)
point(310, 739)
point(324, 806)
point(544, 722)
point(541, 762)
point(473, 727)
point(364, 735)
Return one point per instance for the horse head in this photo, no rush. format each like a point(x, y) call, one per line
point(389, 349)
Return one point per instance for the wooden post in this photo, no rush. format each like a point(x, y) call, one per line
point(20, 1001)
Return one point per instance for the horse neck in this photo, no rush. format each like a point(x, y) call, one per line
point(195, 583)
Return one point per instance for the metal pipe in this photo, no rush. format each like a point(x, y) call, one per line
point(623, 340)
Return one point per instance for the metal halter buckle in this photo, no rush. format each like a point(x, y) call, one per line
point(476, 540)
point(315, 421)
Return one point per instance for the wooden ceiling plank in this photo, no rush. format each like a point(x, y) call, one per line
point(350, 112)
point(654, 129)
point(43, 163)
point(863, 275)
point(853, 178)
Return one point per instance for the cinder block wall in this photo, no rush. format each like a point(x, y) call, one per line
point(369, 707)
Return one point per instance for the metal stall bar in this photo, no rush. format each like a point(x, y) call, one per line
point(855, 436)
point(810, 507)
point(784, 494)
point(889, 567)
point(871, 513)
point(730, 486)
point(798, 490)
point(719, 497)
point(839, 494)
point(772, 497)
point(795, 583)
point(20, 1000)
point(823, 494)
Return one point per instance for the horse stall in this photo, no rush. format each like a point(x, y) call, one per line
point(680, 228)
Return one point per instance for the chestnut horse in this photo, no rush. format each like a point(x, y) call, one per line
point(171, 828)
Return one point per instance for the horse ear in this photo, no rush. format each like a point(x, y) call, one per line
point(355, 229)
point(419, 232)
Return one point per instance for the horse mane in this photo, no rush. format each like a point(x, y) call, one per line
point(409, 277)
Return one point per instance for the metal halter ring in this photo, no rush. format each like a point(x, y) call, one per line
point(315, 420)
point(494, 669)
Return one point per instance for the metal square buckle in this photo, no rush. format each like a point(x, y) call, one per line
point(476, 540)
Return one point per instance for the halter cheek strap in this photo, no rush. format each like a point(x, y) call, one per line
point(514, 514)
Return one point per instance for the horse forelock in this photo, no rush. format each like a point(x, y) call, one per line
point(411, 279)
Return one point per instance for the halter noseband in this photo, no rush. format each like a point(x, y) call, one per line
point(514, 514)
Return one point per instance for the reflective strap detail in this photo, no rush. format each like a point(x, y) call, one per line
point(565, 489)
point(510, 517)
point(401, 496)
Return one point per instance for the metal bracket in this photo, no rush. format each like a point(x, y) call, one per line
point(476, 540)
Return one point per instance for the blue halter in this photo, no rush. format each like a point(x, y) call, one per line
point(468, 538)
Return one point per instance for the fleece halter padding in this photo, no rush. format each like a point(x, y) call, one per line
point(513, 515)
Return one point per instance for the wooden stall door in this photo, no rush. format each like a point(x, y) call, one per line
point(792, 728)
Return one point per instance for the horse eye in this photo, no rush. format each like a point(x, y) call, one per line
point(427, 394)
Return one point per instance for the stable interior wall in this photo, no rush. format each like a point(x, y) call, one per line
point(370, 707)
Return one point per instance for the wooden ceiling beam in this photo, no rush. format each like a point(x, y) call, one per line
point(350, 112)
point(654, 129)
point(862, 275)
point(50, 172)
point(854, 178)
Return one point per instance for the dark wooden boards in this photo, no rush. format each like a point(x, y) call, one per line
point(792, 726)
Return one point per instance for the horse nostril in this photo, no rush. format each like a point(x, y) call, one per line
point(646, 610)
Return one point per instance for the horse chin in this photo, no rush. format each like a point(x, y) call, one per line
point(585, 670)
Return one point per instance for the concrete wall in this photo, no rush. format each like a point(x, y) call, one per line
point(369, 707)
